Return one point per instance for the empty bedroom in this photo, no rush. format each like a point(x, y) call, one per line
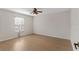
point(37, 29)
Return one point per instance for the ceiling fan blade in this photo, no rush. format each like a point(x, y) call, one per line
point(39, 11)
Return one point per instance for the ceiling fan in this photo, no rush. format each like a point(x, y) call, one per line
point(35, 11)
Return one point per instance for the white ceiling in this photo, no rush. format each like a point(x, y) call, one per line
point(28, 11)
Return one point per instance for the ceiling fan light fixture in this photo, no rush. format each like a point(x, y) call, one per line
point(34, 14)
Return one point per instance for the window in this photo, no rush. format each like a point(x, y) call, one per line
point(19, 21)
point(19, 24)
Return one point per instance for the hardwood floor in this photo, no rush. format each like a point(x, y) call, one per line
point(36, 43)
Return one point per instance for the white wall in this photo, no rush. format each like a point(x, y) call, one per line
point(7, 24)
point(55, 25)
point(75, 26)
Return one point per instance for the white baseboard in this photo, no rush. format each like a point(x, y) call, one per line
point(9, 38)
point(13, 37)
point(51, 36)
